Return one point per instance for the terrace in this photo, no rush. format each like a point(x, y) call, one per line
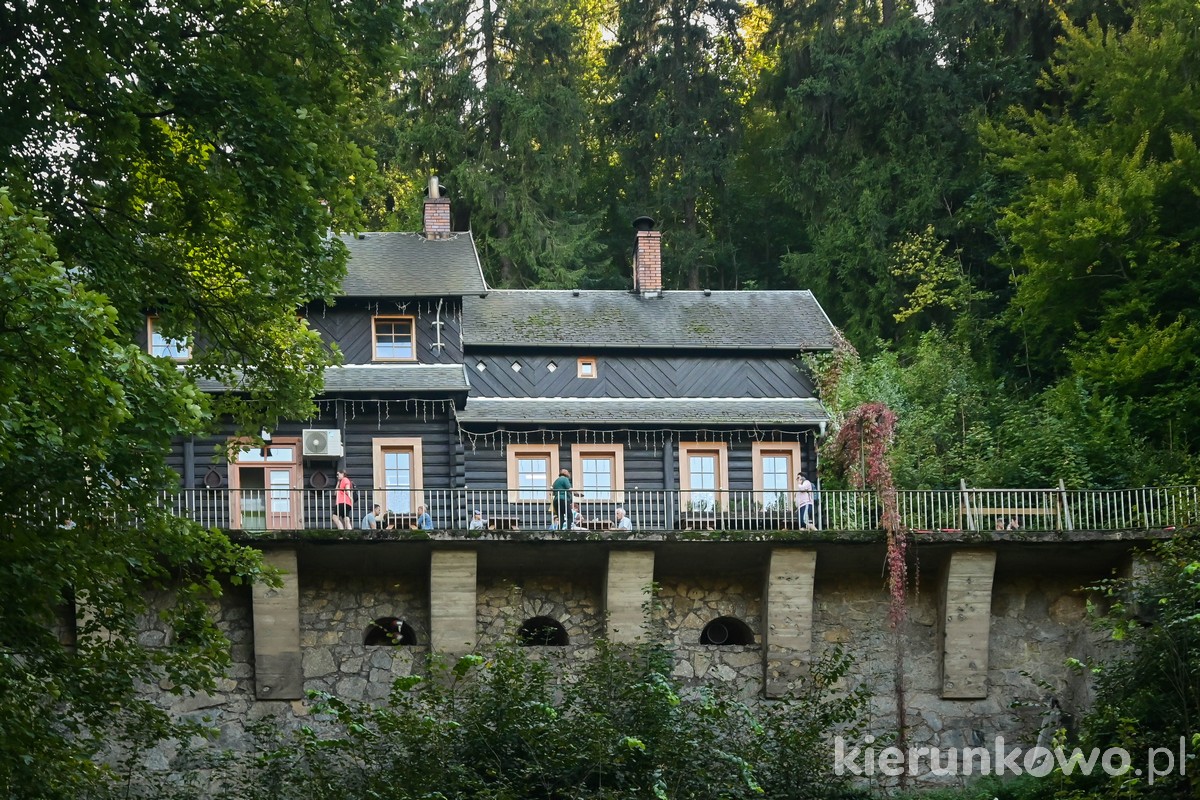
point(961, 510)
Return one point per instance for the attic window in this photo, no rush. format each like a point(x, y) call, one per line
point(481, 367)
point(394, 338)
point(586, 368)
point(174, 349)
point(551, 367)
point(516, 367)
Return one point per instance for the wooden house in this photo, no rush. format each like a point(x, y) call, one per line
point(689, 409)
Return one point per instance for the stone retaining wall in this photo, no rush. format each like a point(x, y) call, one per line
point(1037, 622)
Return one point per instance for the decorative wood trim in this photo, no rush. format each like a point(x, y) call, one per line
point(587, 362)
point(383, 444)
point(515, 451)
point(614, 451)
point(412, 327)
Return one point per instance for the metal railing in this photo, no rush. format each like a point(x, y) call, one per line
point(966, 509)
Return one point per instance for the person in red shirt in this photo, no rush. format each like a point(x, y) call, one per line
point(343, 507)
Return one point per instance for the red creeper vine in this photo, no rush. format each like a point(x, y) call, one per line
point(861, 447)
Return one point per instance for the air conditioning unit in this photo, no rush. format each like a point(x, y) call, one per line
point(322, 443)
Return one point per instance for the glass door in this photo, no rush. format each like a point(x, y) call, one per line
point(266, 487)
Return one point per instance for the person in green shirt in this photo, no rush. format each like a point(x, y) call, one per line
point(562, 497)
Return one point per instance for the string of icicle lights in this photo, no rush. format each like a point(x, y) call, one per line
point(383, 409)
point(654, 440)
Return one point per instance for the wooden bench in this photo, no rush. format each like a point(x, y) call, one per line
point(1004, 513)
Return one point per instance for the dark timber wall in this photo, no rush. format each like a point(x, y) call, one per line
point(651, 463)
point(360, 422)
point(349, 325)
point(637, 376)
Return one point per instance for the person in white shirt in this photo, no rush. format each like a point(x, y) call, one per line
point(622, 522)
point(477, 523)
point(804, 501)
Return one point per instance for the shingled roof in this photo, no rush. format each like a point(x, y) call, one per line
point(411, 265)
point(738, 411)
point(593, 320)
point(408, 378)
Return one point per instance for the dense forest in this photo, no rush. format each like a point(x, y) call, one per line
point(996, 201)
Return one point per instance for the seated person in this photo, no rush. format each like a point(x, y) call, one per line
point(577, 518)
point(622, 522)
point(477, 522)
point(424, 521)
point(371, 521)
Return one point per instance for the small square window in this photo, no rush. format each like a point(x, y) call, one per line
point(586, 368)
point(481, 367)
point(516, 367)
point(551, 367)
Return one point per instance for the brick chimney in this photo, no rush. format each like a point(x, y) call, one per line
point(647, 258)
point(437, 212)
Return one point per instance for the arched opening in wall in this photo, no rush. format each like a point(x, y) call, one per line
point(727, 631)
point(542, 632)
point(389, 632)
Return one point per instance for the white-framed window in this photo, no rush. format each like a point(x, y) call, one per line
point(704, 476)
point(531, 471)
point(598, 470)
point(394, 338)
point(775, 468)
point(398, 469)
point(586, 368)
point(159, 345)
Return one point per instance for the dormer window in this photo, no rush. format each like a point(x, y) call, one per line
point(395, 338)
point(161, 346)
point(586, 368)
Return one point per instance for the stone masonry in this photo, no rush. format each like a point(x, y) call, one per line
point(1034, 622)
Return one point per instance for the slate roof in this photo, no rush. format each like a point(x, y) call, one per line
point(383, 378)
point(409, 265)
point(706, 411)
point(593, 320)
